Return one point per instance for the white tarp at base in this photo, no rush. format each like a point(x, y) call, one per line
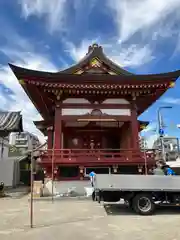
point(89, 191)
point(174, 164)
point(48, 188)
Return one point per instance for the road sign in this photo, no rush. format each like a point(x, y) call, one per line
point(161, 132)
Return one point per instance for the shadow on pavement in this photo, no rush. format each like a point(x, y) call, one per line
point(117, 209)
point(121, 209)
point(59, 222)
point(17, 192)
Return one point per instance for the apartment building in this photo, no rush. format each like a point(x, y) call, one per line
point(24, 141)
point(142, 143)
point(171, 147)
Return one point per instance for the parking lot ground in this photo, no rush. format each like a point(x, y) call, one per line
point(81, 220)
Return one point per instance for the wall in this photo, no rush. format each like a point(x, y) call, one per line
point(84, 111)
point(4, 148)
point(9, 172)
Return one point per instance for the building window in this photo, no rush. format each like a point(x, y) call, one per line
point(97, 170)
point(69, 172)
point(21, 142)
point(21, 135)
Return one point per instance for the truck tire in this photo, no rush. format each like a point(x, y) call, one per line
point(143, 204)
point(96, 196)
point(93, 196)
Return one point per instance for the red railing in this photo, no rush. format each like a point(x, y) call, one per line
point(96, 155)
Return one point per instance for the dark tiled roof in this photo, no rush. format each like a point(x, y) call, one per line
point(10, 122)
point(144, 122)
point(63, 76)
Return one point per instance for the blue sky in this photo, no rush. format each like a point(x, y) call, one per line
point(140, 35)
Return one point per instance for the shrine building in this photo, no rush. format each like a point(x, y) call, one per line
point(90, 113)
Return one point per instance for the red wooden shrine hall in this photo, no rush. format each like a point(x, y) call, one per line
point(90, 113)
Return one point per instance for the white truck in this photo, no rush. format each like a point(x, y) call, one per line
point(140, 192)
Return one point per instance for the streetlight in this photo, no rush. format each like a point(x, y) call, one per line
point(160, 129)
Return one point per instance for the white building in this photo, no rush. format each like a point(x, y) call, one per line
point(4, 148)
point(171, 147)
point(24, 141)
point(142, 142)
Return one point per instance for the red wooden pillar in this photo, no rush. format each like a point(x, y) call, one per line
point(57, 129)
point(128, 146)
point(127, 140)
point(134, 128)
point(50, 137)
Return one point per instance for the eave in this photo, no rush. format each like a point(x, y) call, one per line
point(37, 83)
point(142, 124)
point(44, 125)
point(58, 77)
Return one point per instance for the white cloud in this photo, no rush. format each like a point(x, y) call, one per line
point(132, 56)
point(150, 140)
point(53, 10)
point(170, 100)
point(150, 128)
point(78, 52)
point(19, 101)
point(55, 13)
point(132, 16)
point(149, 134)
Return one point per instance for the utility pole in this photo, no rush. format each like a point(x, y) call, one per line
point(161, 130)
point(145, 156)
point(32, 189)
point(32, 183)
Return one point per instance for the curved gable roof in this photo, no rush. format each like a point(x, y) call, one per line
point(96, 51)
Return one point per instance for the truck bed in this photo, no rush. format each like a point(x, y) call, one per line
point(114, 182)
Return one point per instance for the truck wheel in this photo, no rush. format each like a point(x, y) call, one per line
point(98, 197)
point(94, 196)
point(143, 204)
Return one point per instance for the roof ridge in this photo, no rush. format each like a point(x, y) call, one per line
point(96, 51)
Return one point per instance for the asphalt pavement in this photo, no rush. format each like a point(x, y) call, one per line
point(75, 219)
